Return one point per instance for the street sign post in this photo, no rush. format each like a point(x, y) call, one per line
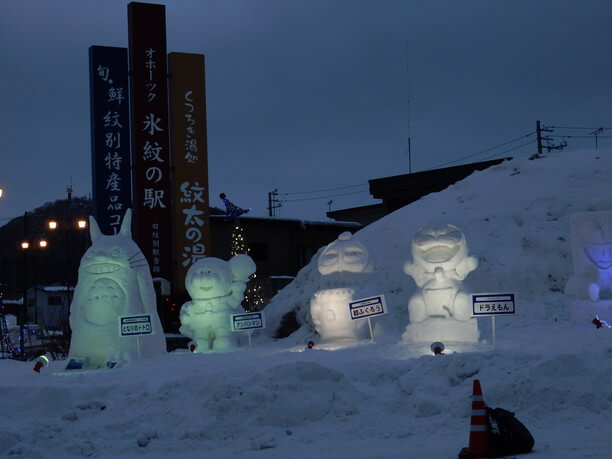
point(493, 304)
point(248, 322)
point(366, 308)
point(136, 325)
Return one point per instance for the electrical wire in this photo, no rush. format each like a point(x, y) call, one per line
point(583, 136)
point(483, 151)
point(571, 127)
point(511, 149)
point(326, 189)
point(325, 197)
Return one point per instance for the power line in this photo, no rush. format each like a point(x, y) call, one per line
point(483, 151)
point(327, 189)
point(583, 136)
point(511, 149)
point(572, 127)
point(325, 197)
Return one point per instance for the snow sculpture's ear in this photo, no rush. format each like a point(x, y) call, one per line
point(242, 267)
point(94, 229)
point(126, 224)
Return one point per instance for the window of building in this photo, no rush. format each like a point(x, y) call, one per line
point(258, 251)
point(54, 300)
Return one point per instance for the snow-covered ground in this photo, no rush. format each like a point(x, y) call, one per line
point(366, 400)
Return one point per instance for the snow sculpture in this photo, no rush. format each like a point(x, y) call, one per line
point(344, 265)
point(591, 284)
point(440, 311)
point(216, 288)
point(114, 280)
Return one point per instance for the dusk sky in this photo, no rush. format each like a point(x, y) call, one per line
point(313, 95)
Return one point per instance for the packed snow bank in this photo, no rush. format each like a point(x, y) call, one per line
point(516, 220)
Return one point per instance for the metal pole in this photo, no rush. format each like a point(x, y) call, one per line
point(539, 134)
point(370, 326)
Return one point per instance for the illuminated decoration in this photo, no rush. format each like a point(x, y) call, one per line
point(591, 284)
point(25, 245)
point(82, 224)
point(114, 280)
point(42, 243)
point(441, 309)
point(253, 300)
point(216, 288)
point(52, 224)
point(344, 265)
point(232, 210)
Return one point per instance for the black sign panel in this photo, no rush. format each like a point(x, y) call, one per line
point(150, 137)
point(110, 136)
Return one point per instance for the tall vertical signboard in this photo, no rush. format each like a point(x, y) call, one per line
point(110, 136)
point(150, 138)
point(190, 161)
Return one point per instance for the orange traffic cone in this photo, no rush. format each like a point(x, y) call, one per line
point(480, 446)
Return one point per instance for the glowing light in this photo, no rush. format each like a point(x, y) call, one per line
point(42, 244)
point(82, 224)
point(52, 224)
point(25, 245)
point(1, 192)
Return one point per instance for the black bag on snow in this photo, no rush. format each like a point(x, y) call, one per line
point(508, 434)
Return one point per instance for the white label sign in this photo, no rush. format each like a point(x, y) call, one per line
point(368, 307)
point(136, 325)
point(493, 304)
point(248, 321)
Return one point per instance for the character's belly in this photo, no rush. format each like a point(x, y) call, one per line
point(104, 301)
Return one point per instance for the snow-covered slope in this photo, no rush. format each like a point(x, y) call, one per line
point(516, 220)
point(365, 400)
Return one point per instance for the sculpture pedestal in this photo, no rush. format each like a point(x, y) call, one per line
point(442, 329)
point(584, 309)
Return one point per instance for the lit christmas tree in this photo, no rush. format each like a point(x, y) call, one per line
point(253, 300)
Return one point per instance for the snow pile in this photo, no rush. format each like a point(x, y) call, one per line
point(364, 399)
point(516, 220)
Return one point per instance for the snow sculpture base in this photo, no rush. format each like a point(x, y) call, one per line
point(442, 329)
point(584, 310)
point(331, 315)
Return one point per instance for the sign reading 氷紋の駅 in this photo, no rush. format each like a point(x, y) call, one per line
point(190, 162)
point(150, 137)
point(110, 136)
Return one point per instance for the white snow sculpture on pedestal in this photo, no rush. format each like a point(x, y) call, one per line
point(591, 284)
point(440, 311)
point(344, 266)
point(216, 288)
point(114, 280)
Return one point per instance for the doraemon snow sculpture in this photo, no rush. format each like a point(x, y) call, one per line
point(114, 280)
point(344, 266)
point(440, 311)
point(216, 288)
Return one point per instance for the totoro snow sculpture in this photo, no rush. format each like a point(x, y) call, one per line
point(114, 280)
point(440, 310)
point(216, 288)
point(344, 266)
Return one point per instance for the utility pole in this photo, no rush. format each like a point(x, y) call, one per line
point(596, 133)
point(548, 146)
point(273, 203)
